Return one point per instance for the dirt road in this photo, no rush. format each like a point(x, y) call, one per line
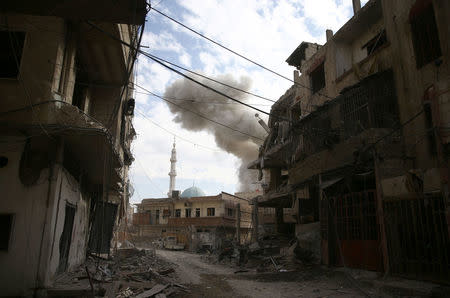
point(213, 280)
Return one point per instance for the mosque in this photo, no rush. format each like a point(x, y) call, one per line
point(195, 219)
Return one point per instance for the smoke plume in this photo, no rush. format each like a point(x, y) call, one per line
point(216, 107)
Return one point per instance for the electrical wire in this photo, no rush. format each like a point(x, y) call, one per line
point(201, 115)
point(186, 76)
point(211, 79)
point(148, 177)
point(173, 134)
point(215, 90)
point(237, 54)
point(194, 101)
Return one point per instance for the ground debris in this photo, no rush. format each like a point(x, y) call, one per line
point(128, 272)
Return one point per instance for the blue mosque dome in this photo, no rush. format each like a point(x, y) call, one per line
point(191, 192)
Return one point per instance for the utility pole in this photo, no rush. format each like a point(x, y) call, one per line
point(238, 224)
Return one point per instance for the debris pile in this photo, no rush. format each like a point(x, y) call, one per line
point(272, 253)
point(129, 273)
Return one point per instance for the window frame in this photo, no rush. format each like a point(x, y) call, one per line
point(19, 54)
point(211, 211)
point(188, 212)
point(8, 237)
point(177, 212)
point(424, 28)
point(314, 75)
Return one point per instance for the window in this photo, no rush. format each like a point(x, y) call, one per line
point(197, 212)
point(210, 211)
point(149, 216)
point(318, 78)
point(6, 222)
point(11, 47)
point(187, 212)
point(157, 214)
point(376, 42)
point(424, 31)
point(230, 212)
point(177, 212)
point(166, 212)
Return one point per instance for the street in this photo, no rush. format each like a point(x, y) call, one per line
point(214, 280)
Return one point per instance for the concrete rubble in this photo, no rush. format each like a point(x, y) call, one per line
point(129, 272)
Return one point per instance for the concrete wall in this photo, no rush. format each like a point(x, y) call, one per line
point(70, 194)
point(37, 229)
point(41, 60)
point(203, 205)
point(18, 265)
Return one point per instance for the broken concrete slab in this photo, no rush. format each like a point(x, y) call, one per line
point(153, 291)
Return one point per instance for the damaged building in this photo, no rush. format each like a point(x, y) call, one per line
point(196, 220)
point(65, 114)
point(192, 220)
point(359, 146)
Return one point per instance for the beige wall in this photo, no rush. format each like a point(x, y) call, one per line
point(203, 205)
point(32, 218)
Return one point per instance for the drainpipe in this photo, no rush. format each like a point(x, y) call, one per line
point(356, 6)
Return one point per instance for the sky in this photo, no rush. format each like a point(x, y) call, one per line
point(265, 31)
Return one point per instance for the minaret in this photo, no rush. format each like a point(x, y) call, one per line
point(173, 171)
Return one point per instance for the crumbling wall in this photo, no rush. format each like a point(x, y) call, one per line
point(27, 204)
point(69, 193)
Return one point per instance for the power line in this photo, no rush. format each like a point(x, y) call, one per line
point(212, 89)
point(236, 53)
point(184, 75)
point(211, 79)
point(201, 115)
point(148, 177)
point(193, 100)
point(174, 134)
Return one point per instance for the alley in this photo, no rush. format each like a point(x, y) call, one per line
point(215, 280)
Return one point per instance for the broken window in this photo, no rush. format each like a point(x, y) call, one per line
point(11, 47)
point(197, 212)
point(66, 238)
point(102, 223)
point(318, 78)
point(376, 42)
point(177, 212)
point(6, 223)
point(187, 212)
point(230, 212)
point(424, 31)
point(211, 211)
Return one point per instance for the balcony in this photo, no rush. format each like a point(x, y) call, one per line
point(117, 11)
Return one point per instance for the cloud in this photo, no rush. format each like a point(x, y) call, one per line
point(185, 59)
point(262, 30)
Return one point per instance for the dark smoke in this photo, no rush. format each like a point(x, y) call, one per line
point(233, 115)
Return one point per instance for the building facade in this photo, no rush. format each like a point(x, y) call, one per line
point(197, 221)
point(65, 118)
point(359, 145)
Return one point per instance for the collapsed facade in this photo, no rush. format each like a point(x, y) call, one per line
point(65, 118)
point(359, 145)
point(197, 221)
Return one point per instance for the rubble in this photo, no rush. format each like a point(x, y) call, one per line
point(129, 272)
